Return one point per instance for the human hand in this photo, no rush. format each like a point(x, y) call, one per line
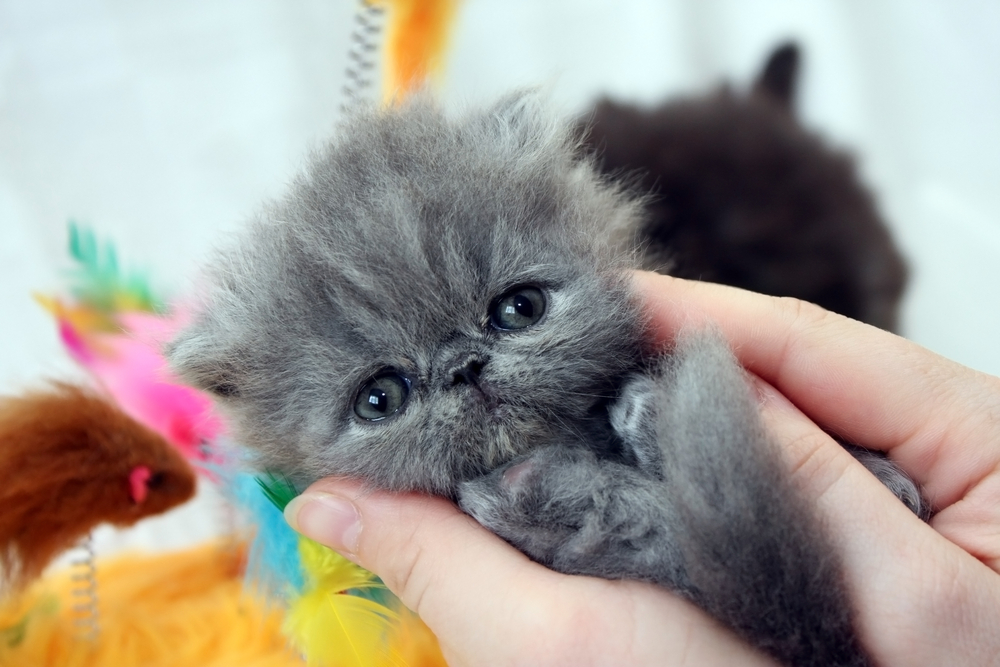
point(489, 605)
point(923, 596)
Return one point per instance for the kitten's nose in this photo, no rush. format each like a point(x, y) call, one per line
point(465, 369)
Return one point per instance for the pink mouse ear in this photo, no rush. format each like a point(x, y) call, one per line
point(137, 479)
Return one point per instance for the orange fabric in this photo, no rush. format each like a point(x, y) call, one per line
point(183, 609)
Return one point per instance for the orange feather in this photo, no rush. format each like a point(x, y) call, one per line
point(417, 38)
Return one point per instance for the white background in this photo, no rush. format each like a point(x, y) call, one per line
point(162, 125)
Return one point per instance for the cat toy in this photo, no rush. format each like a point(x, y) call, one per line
point(339, 613)
point(72, 457)
point(71, 460)
point(416, 40)
point(180, 609)
point(188, 608)
point(114, 325)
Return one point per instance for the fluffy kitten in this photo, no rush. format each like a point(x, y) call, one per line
point(744, 195)
point(444, 305)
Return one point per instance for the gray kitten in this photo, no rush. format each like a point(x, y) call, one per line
point(444, 305)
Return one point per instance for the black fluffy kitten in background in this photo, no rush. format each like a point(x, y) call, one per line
point(444, 305)
point(744, 195)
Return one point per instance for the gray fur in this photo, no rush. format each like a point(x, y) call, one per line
point(894, 479)
point(568, 438)
point(387, 253)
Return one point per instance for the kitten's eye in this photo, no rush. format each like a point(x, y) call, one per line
point(519, 308)
point(382, 396)
point(224, 389)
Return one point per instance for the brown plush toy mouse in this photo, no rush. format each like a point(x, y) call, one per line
point(70, 460)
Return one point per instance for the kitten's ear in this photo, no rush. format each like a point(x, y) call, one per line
point(779, 78)
point(198, 360)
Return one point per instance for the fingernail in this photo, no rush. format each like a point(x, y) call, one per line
point(327, 519)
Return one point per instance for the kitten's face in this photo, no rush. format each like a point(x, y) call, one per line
point(434, 298)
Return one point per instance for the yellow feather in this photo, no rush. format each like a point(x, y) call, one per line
point(413, 644)
point(330, 627)
point(83, 318)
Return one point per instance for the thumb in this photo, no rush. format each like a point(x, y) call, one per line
point(442, 564)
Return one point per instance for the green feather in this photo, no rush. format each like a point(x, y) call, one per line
point(99, 281)
point(278, 489)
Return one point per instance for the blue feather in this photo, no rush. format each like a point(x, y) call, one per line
point(274, 566)
point(274, 563)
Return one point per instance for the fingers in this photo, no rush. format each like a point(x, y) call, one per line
point(973, 522)
point(489, 605)
point(866, 385)
point(921, 600)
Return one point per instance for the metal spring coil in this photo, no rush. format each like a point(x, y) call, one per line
point(362, 54)
point(84, 592)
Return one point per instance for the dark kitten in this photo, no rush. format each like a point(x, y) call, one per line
point(744, 195)
point(444, 305)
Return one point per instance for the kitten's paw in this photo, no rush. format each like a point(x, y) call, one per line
point(577, 514)
point(633, 418)
point(526, 502)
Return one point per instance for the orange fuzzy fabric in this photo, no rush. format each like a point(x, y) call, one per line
point(184, 609)
point(70, 460)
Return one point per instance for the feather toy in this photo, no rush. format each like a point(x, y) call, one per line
point(416, 40)
point(100, 283)
point(274, 565)
point(114, 326)
point(71, 460)
point(328, 625)
point(343, 615)
point(329, 619)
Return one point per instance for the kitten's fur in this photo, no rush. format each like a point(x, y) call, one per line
point(745, 196)
point(569, 438)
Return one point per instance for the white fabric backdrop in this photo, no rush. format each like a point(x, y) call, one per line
point(162, 125)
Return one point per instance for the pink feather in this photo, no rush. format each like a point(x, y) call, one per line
point(131, 367)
